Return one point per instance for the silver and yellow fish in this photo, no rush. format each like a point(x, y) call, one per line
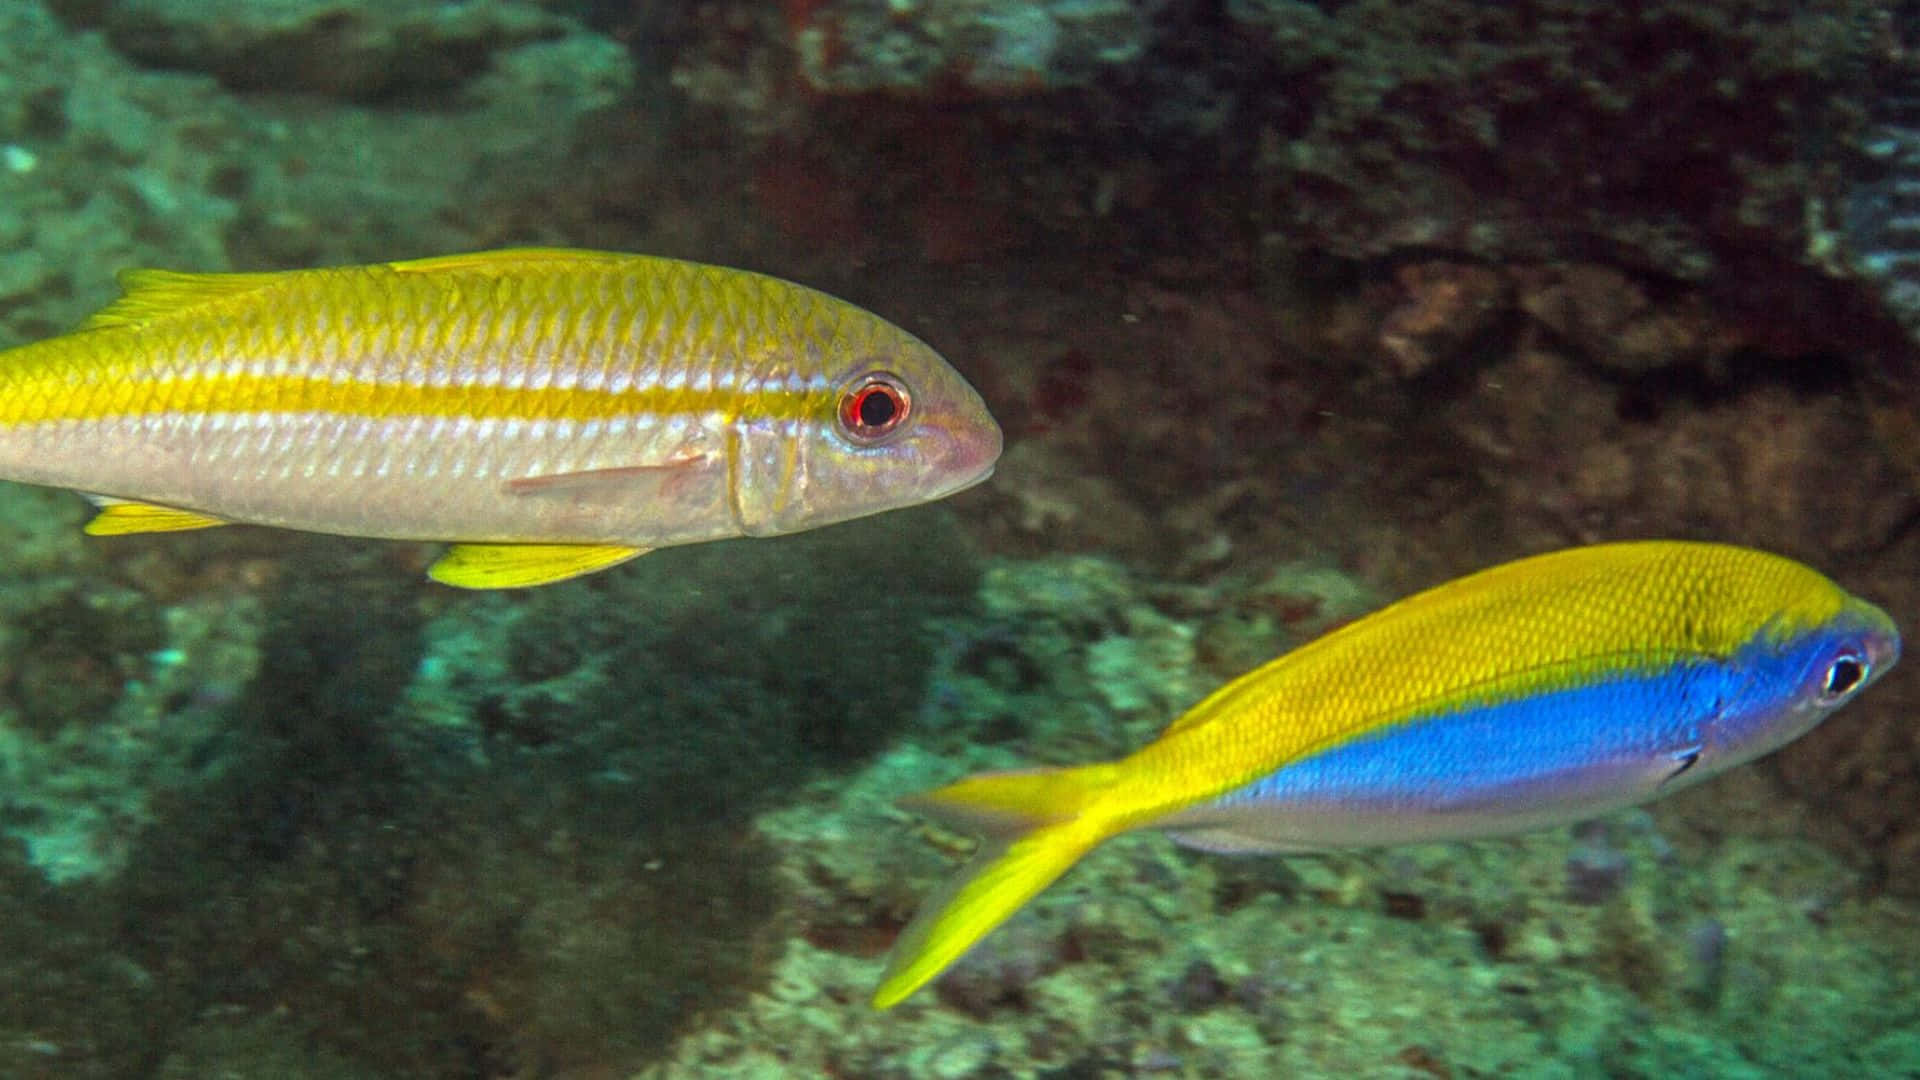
point(551, 412)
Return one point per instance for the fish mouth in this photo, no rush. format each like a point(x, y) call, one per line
point(972, 482)
point(970, 455)
point(1881, 639)
point(1883, 651)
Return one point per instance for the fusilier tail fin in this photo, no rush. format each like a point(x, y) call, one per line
point(1038, 823)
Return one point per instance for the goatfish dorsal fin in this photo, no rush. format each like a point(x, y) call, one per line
point(515, 566)
point(146, 295)
point(123, 517)
point(150, 294)
point(498, 261)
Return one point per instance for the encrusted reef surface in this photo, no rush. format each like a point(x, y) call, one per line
point(1287, 309)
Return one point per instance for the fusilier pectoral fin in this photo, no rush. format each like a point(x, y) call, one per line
point(121, 517)
point(515, 566)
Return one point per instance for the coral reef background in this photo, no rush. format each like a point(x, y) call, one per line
point(1288, 308)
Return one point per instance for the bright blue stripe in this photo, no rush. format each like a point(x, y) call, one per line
point(1484, 753)
point(1527, 762)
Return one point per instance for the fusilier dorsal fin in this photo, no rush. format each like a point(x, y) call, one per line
point(146, 295)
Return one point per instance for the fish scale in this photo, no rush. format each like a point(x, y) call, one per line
point(584, 406)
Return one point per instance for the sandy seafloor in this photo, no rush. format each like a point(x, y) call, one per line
point(274, 806)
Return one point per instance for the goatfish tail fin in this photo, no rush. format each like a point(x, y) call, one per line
point(1037, 824)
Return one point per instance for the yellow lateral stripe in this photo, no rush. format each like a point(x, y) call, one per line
point(32, 404)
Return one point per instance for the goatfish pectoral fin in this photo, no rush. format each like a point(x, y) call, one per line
point(123, 517)
point(1037, 825)
point(514, 566)
point(664, 473)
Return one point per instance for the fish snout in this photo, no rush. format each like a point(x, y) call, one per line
point(970, 452)
point(1883, 650)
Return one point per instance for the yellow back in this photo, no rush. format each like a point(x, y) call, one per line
point(1544, 623)
point(534, 333)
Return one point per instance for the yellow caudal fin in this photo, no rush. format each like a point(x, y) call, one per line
point(1038, 824)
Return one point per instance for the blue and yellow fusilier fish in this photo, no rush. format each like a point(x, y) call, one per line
point(552, 412)
point(1536, 693)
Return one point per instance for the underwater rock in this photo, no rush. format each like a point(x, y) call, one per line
point(1706, 955)
point(1199, 988)
point(749, 666)
point(69, 660)
point(1666, 136)
point(358, 52)
point(75, 1006)
point(999, 976)
point(966, 47)
point(1447, 305)
point(133, 166)
point(106, 698)
point(1695, 143)
point(1610, 319)
point(424, 873)
point(1873, 225)
point(1596, 870)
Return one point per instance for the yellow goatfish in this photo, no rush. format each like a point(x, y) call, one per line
point(551, 412)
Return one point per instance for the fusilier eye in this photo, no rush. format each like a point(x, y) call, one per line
point(873, 407)
point(1846, 672)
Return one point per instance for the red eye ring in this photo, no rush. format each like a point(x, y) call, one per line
point(874, 407)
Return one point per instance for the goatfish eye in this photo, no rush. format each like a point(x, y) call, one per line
point(1844, 675)
point(874, 406)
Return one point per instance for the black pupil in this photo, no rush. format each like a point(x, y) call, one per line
point(876, 408)
point(1843, 676)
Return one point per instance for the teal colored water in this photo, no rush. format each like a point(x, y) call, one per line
point(1286, 309)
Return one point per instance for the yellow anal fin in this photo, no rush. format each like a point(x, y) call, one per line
point(516, 566)
point(118, 517)
point(151, 294)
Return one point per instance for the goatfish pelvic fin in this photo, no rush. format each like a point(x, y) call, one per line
point(1036, 822)
point(516, 566)
point(124, 517)
point(465, 566)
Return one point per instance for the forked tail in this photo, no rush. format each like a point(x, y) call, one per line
point(1037, 824)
